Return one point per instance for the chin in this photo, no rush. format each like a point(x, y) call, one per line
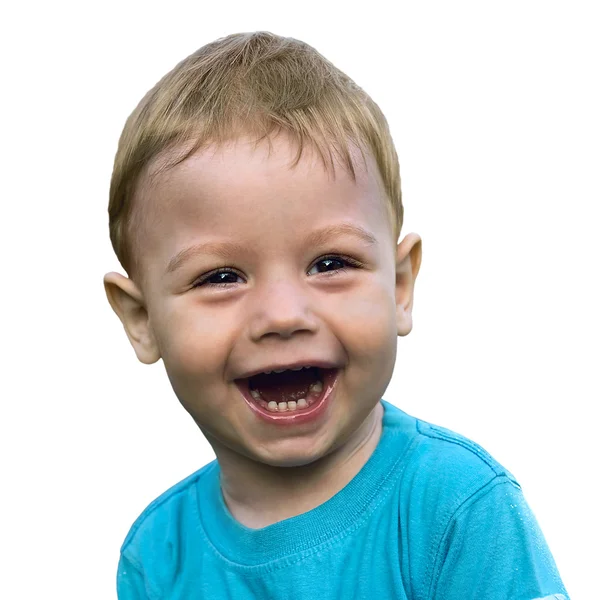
point(290, 461)
point(290, 455)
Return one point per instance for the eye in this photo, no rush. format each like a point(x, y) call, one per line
point(333, 264)
point(224, 277)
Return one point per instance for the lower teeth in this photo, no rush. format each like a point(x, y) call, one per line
point(291, 406)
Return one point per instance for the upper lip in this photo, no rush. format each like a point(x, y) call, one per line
point(309, 362)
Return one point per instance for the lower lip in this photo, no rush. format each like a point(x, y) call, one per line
point(294, 417)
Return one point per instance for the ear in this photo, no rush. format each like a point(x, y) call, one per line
point(128, 303)
point(408, 262)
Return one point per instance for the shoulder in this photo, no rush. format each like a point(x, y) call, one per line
point(177, 499)
point(451, 473)
point(481, 535)
point(450, 455)
point(443, 471)
point(437, 454)
point(445, 477)
point(158, 536)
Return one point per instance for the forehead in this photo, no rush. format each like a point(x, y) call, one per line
point(246, 190)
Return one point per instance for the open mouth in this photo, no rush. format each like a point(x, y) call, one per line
point(292, 392)
point(288, 390)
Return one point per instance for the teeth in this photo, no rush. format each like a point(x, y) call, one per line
point(281, 406)
point(255, 394)
point(282, 370)
point(316, 387)
point(273, 406)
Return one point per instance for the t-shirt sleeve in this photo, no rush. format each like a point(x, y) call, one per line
point(493, 549)
point(130, 581)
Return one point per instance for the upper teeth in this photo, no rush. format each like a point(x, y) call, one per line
point(282, 370)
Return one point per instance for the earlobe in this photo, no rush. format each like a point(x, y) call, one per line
point(408, 263)
point(128, 303)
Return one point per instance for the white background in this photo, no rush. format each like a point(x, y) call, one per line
point(494, 107)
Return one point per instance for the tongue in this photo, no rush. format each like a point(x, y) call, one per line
point(286, 386)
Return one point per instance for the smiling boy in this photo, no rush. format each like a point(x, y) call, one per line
point(255, 204)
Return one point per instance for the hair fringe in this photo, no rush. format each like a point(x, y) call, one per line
point(253, 83)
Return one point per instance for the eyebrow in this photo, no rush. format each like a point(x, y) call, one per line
point(228, 249)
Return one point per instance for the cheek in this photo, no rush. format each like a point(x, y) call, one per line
point(193, 344)
point(367, 323)
point(368, 333)
point(194, 350)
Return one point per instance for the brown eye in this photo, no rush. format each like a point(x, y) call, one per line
point(222, 278)
point(330, 264)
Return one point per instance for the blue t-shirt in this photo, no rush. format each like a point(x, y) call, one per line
point(430, 516)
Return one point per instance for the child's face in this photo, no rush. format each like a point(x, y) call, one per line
point(277, 302)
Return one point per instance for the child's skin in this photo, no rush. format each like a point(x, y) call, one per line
point(278, 307)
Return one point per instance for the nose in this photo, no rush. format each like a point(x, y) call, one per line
point(281, 308)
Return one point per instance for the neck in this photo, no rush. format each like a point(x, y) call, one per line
point(258, 495)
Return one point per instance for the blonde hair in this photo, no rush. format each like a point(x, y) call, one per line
point(247, 83)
